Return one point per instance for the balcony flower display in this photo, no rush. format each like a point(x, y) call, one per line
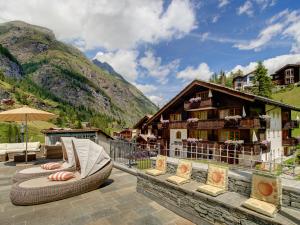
point(197, 99)
point(264, 117)
point(234, 142)
point(192, 120)
point(235, 118)
point(192, 140)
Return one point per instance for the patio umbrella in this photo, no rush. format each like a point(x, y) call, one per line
point(254, 137)
point(25, 114)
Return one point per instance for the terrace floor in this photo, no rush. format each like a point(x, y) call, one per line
point(116, 202)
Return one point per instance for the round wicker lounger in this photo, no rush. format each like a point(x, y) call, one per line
point(22, 195)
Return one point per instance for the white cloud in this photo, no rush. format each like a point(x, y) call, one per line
point(223, 3)
point(246, 8)
point(123, 61)
point(108, 24)
point(271, 64)
point(215, 19)
point(263, 38)
point(202, 72)
point(285, 24)
point(157, 100)
point(146, 88)
point(263, 4)
point(155, 68)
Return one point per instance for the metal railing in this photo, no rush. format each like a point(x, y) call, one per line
point(235, 156)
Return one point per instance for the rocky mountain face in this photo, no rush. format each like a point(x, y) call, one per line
point(47, 69)
point(108, 68)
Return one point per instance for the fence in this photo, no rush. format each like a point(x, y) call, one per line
point(234, 155)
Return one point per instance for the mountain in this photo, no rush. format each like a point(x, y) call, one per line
point(52, 75)
point(108, 68)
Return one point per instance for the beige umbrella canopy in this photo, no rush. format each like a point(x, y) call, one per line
point(25, 114)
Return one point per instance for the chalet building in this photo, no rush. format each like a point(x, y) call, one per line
point(243, 82)
point(216, 117)
point(141, 126)
point(289, 74)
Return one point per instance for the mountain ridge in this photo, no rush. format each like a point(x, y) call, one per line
point(58, 71)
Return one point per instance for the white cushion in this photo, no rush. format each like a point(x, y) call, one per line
point(33, 145)
point(3, 147)
point(15, 146)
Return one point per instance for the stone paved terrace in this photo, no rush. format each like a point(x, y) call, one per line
point(116, 202)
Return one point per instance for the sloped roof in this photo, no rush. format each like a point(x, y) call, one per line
point(142, 121)
point(244, 75)
point(287, 65)
point(225, 90)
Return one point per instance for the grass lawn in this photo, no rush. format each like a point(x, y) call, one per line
point(290, 96)
point(143, 164)
point(34, 131)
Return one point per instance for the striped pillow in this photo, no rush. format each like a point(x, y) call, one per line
point(61, 176)
point(51, 166)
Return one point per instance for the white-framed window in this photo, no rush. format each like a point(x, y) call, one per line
point(289, 76)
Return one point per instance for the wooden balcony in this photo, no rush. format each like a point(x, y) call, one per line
point(198, 105)
point(244, 123)
point(290, 124)
point(290, 142)
point(254, 123)
point(178, 125)
point(207, 124)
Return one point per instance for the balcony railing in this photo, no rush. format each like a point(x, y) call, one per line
point(291, 124)
point(246, 148)
point(290, 142)
point(178, 125)
point(244, 123)
point(198, 105)
point(207, 124)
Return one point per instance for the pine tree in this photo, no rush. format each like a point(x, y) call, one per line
point(262, 82)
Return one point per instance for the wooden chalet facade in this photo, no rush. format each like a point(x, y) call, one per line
point(289, 74)
point(211, 115)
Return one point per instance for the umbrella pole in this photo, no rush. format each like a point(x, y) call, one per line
point(26, 137)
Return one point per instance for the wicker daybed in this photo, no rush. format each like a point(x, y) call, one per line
point(95, 168)
point(37, 171)
point(22, 195)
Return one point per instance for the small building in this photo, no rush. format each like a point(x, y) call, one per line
point(53, 135)
point(243, 82)
point(141, 126)
point(288, 74)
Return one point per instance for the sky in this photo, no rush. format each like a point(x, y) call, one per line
point(161, 46)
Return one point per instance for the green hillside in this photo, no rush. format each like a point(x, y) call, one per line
point(290, 95)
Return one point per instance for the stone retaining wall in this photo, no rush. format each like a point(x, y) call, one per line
point(200, 208)
point(240, 184)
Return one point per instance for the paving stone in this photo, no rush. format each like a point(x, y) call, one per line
point(115, 202)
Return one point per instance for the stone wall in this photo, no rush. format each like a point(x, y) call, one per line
point(200, 208)
point(240, 183)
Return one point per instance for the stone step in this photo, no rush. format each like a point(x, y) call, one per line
point(291, 213)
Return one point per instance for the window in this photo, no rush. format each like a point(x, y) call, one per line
point(230, 135)
point(175, 117)
point(201, 115)
point(203, 95)
point(178, 135)
point(199, 134)
point(289, 76)
point(229, 112)
point(177, 152)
